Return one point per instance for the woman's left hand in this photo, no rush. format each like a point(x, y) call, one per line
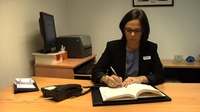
point(131, 80)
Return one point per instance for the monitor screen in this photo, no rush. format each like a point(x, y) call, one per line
point(48, 32)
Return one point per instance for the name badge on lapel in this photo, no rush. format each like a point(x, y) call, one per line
point(146, 57)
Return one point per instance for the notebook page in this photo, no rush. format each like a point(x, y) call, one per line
point(108, 93)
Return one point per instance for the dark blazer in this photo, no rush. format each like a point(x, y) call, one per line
point(115, 56)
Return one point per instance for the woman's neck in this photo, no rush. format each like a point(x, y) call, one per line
point(132, 47)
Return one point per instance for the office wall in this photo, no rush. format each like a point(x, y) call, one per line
point(20, 35)
point(175, 29)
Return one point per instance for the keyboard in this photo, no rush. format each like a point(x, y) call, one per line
point(86, 68)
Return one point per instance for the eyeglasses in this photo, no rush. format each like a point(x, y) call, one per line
point(136, 31)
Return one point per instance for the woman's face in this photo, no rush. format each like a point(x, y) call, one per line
point(133, 31)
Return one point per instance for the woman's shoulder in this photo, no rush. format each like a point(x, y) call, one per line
point(149, 44)
point(114, 42)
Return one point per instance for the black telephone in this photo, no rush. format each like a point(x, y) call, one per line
point(61, 92)
point(68, 87)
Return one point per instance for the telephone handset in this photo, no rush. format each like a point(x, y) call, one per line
point(61, 92)
point(68, 87)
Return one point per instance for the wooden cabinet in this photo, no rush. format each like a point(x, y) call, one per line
point(63, 69)
point(171, 64)
point(182, 72)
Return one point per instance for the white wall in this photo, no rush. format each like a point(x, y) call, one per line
point(20, 35)
point(175, 29)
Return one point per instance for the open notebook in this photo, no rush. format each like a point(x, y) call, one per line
point(131, 92)
point(102, 96)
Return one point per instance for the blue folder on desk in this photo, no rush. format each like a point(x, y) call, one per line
point(97, 99)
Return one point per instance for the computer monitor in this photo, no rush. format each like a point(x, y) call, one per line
point(48, 32)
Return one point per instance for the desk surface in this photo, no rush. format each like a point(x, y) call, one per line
point(171, 64)
point(69, 62)
point(185, 98)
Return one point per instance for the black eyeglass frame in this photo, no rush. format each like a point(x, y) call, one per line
point(136, 31)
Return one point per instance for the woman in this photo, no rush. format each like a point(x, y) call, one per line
point(133, 57)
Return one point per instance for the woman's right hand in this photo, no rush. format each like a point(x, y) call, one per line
point(112, 81)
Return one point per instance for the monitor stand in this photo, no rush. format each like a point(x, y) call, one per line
point(46, 51)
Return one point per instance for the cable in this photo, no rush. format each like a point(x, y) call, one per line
point(27, 101)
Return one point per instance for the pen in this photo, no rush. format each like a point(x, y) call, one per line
point(114, 71)
point(117, 76)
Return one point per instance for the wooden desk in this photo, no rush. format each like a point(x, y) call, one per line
point(182, 72)
point(64, 69)
point(171, 64)
point(185, 98)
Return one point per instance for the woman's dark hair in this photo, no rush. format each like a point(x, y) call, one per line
point(141, 16)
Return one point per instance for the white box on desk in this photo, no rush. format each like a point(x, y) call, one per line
point(49, 58)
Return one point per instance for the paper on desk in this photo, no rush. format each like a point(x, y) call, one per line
point(23, 81)
point(25, 86)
